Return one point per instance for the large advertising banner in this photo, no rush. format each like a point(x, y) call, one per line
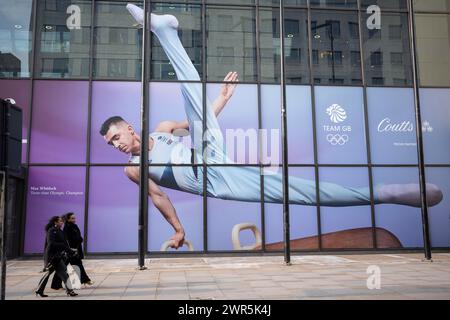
point(242, 132)
point(52, 191)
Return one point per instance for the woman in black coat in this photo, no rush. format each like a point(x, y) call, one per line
point(56, 251)
point(75, 240)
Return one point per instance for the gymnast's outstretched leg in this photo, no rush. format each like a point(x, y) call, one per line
point(165, 28)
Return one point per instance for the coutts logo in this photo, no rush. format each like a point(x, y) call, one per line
point(386, 125)
point(337, 113)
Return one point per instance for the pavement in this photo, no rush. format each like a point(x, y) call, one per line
point(330, 277)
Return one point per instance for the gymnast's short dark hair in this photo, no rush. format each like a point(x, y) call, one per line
point(108, 123)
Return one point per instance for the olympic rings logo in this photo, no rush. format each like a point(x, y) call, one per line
point(337, 139)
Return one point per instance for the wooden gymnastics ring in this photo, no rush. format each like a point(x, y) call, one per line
point(166, 245)
point(245, 226)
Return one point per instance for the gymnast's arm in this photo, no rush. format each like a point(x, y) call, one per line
point(163, 204)
point(225, 95)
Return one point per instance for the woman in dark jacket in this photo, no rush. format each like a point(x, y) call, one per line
point(75, 240)
point(55, 251)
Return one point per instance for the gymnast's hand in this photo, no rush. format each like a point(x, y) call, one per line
point(177, 240)
point(231, 79)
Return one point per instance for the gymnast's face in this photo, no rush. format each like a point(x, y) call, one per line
point(122, 137)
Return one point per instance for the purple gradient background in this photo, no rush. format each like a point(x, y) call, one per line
point(398, 105)
point(59, 124)
point(113, 211)
point(190, 211)
point(41, 208)
point(403, 221)
point(438, 215)
point(299, 110)
point(241, 112)
point(110, 99)
point(303, 218)
point(435, 109)
point(351, 99)
point(346, 218)
point(20, 91)
point(223, 215)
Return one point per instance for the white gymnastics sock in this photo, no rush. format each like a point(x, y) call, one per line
point(409, 194)
point(157, 21)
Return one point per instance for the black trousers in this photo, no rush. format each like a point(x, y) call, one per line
point(60, 269)
point(84, 278)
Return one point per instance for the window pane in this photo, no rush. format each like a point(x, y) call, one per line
point(392, 126)
point(436, 125)
point(117, 42)
point(111, 99)
point(113, 211)
point(296, 46)
point(345, 226)
point(340, 124)
point(385, 4)
point(231, 42)
point(403, 222)
point(52, 191)
point(304, 231)
point(225, 213)
point(291, 3)
point(334, 3)
point(59, 124)
point(20, 91)
point(335, 36)
point(189, 209)
point(438, 215)
point(15, 38)
point(387, 54)
point(433, 49)
point(190, 34)
point(63, 40)
point(432, 5)
point(240, 133)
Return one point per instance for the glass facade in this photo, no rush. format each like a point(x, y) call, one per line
point(72, 64)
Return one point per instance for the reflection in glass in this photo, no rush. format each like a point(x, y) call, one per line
point(63, 40)
point(190, 34)
point(387, 54)
point(433, 49)
point(15, 38)
point(335, 48)
point(117, 43)
point(231, 42)
point(296, 46)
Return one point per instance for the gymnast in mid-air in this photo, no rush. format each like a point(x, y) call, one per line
point(229, 183)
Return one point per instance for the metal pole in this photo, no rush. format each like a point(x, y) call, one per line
point(419, 134)
point(286, 226)
point(3, 210)
point(143, 165)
